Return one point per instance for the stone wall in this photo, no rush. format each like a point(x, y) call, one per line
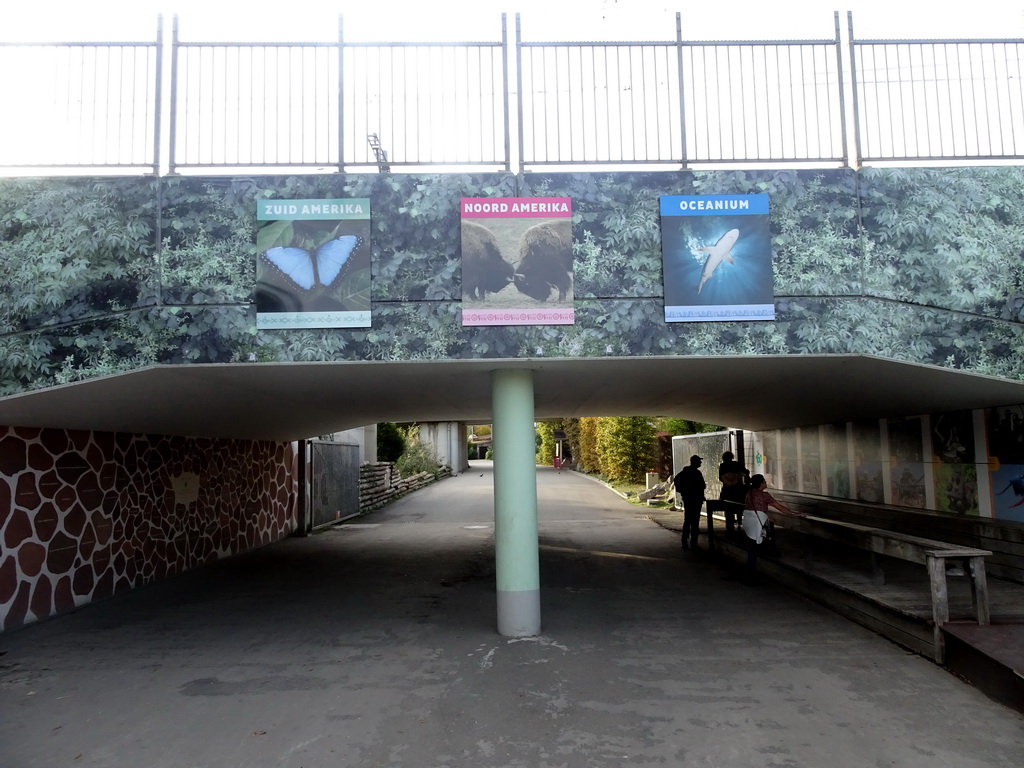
point(380, 483)
point(87, 515)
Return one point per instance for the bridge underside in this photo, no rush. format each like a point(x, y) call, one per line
point(289, 401)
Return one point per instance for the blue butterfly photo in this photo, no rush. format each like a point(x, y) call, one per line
point(313, 272)
point(319, 268)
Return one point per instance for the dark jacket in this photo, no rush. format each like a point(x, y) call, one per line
point(690, 483)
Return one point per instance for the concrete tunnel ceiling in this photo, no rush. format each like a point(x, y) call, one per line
point(290, 401)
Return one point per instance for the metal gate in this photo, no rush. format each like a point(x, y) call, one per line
point(334, 494)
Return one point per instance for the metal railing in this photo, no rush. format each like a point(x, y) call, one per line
point(598, 103)
point(681, 102)
point(757, 101)
point(937, 99)
point(431, 103)
point(82, 105)
point(254, 105)
point(522, 105)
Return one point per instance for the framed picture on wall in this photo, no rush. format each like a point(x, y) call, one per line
point(313, 264)
point(517, 261)
point(717, 258)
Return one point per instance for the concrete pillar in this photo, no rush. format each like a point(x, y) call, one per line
point(515, 504)
point(370, 444)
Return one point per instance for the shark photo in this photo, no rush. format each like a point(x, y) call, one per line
point(717, 265)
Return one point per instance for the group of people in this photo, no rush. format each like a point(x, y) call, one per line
point(740, 492)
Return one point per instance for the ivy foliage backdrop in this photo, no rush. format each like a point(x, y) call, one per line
point(106, 275)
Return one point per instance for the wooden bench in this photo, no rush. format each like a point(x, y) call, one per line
point(928, 552)
point(1004, 538)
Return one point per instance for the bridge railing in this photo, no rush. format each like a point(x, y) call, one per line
point(504, 104)
point(937, 99)
point(599, 103)
point(757, 101)
point(253, 104)
point(85, 105)
point(429, 103)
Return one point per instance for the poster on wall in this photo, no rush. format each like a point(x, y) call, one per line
point(867, 461)
point(313, 263)
point(1006, 452)
point(956, 475)
point(810, 459)
point(717, 258)
point(1008, 492)
point(906, 463)
point(1006, 434)
point(790, 460)
point(837, 459)
point(517, 261)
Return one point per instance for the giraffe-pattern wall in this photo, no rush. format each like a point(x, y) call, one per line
point(85, 515)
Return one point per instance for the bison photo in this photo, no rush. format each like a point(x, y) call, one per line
point(517, 263)
point(484, 270)
point(545, 260)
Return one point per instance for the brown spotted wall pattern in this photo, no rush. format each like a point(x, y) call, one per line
point(85, 515)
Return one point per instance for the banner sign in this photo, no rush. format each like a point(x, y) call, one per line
point(517, 261)
point(717, 256)
point(313, 264)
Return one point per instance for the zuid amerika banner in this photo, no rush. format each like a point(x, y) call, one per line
point(313, 264)
point(717, 256)
point(517, 261)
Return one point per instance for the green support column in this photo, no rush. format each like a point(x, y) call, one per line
point(515, 504)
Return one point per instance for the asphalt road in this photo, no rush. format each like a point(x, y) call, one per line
point(375, 644)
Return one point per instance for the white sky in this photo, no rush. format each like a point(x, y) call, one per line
point(422, 20)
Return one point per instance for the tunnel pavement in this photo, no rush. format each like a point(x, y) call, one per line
point(375, 644)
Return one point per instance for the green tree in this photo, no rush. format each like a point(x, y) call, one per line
point(626, 447)
point(390, 441)
point(417, 456)
point(546, 450)
point(676, 426)
point(571, 427)
point(587, 457)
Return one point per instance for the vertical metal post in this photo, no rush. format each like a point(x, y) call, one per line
point(158, 242)
point(682, 91)
point(504, 82)
point(341, 94)
point(853, 85)
point(842, 95)
point(519, 88)
point(173, 114)
point(1014, 145)
point(158, 106)
point(302, 488)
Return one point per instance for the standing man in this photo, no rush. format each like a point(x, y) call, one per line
point(735, 484)
point(690, 486)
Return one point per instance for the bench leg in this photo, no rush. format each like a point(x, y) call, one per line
point(979, 589)
point(877, 572)
point(940, 602)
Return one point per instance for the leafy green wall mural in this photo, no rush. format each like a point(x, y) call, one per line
point(105, 275)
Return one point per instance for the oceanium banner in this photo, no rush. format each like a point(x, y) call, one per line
point(313, 264)
point(717, 256)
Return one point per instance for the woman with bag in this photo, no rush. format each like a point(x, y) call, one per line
point(756, 522)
